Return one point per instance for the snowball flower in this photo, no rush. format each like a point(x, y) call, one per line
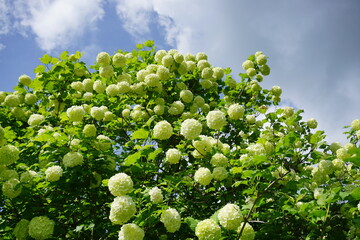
point(162, 130)
point(312, 123)
point(199, 101)
point(30, 98)
point(159, 55)
point(201, 56)
point(208, 229)
point(190, 128)
point(112, 90)
point(326, 166)
point(173, 156)
point(355, 124)
point(12, 100)
point(75, 113)
point(99, 87)
point(256, 149)
point(123, 87)
point(203, 176)
point(25, 80)
point(176, 108)
point(106, 71)
point(131, 231)
point(8, 154)
point(53, 173)
point(219, 173)
point(97, 113)
point(247, 64)
point(122, 209)
point(230, 216)
point(72, 159)
point(10, 189)
point(119, 60)
point(265, 70)
point(276, 90)
point(163, 73)
point(120, 184)
point(103, 59)
point(156, 195)
point(186, 96)
point(171, 220)
point(248, 232)
point(288, 111)
point(89, 130)
point(21, 230)
point(219, 160)
point(167, 60)
point(35, 119)
point(103, 143)
point(236, 111)
point(215, 119)
point(41, 228)
point(203, 145)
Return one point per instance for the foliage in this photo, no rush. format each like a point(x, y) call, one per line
point(169, 147)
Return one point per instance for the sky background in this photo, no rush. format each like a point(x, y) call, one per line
point(313, 46)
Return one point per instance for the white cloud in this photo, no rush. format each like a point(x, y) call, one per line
point(4, 17)
point(57, 23)
point(136, 15)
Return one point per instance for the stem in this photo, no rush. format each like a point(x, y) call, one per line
point(246, 219)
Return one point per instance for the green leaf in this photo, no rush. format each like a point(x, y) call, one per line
point(356, 193)
point(39, 69)
point(131, 159)
point(149, 43)
point(46, 59)
point(64, 55)
point(140, 134)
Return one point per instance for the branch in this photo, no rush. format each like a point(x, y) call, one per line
point(246, 219)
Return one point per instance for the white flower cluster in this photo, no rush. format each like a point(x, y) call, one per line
point(106, 71)
point(190, 128)
point(8, 154)
point(103, 143)
point(131, 231)
point(220, 173)
point(236, 111)
point(204, 145)
point(12, 100)
point(99, 87)
point(355, 124)
point(173, 156)
point(89, 130)
point(248, 232)
point(21, 230)
point(219, 160)
point(156, 195)
point(53, 173)
point(72, 159)
point(35, 119)
point(75, 113)
point(276, 91)
point(171, 220)
point(288, 111)
point(10, 188)
point(41, 227)
point(25, 80)
point(203, 176)
point(122, 209)
point(230, 216)
point(176, 108)
point(186, 96)
point(30, 98)
point(312, 123)
point(163, 130)
point(208, 229)
point(119, 60)
point(216, 119)
point(97, 113)
point(120, 184)
point(256, 149)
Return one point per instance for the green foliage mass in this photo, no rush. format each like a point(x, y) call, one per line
point(68, 133)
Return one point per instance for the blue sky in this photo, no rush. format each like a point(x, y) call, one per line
point(313, 45)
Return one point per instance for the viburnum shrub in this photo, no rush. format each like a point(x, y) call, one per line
point(156, 144)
